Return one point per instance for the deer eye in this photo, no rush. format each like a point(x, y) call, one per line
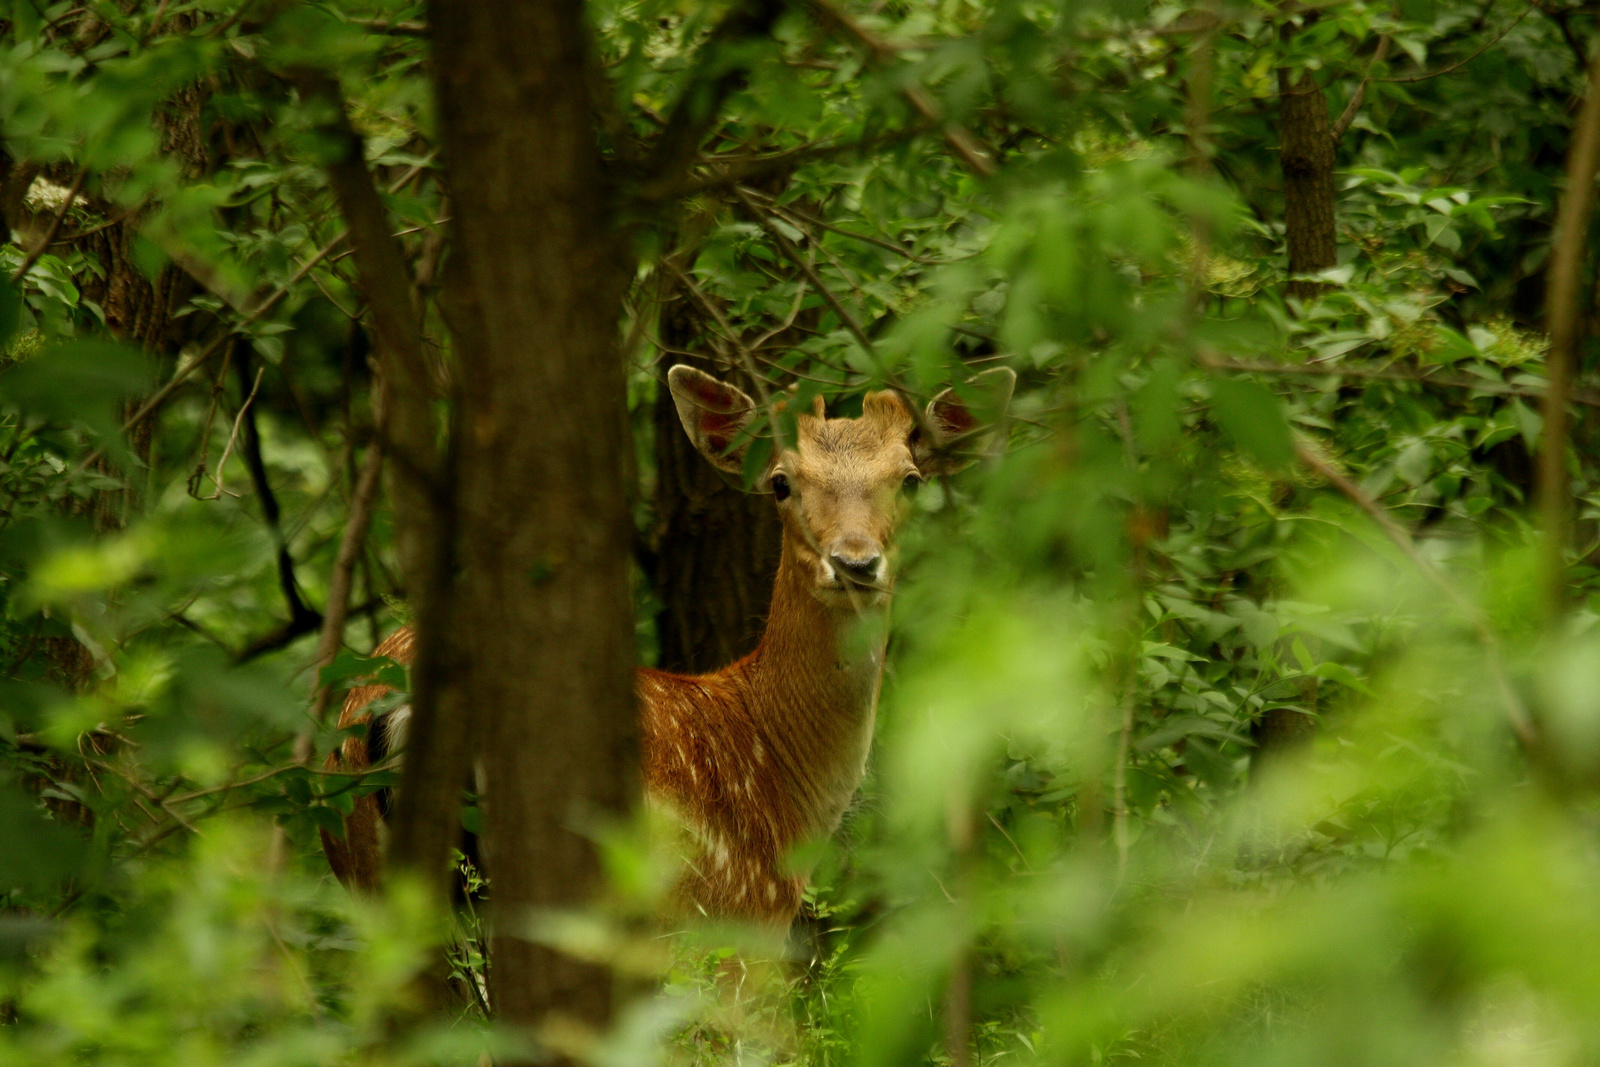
point(780, 487)
point(912, 483)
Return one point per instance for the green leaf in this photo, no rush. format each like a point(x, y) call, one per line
point(756, 458)
point(10, 312)
point(1338, 672)
point(327, 819)
point(1254, 419)
point(371, 670)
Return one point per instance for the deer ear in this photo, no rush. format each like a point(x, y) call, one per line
point(959, 427)
point(713, 415)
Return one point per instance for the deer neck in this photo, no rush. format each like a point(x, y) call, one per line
point(814, 690)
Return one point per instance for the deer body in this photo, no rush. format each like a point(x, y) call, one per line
point(767, 752)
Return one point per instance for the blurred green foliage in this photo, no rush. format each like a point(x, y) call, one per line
point(1078, 843)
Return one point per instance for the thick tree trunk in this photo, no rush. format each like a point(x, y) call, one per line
point(1306, 156)
point(717, 548)
point(544, 532)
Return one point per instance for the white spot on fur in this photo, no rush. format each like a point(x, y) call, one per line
point(772, 892)
point(758, 752)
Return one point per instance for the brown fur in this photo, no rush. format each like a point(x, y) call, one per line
point(765, 753)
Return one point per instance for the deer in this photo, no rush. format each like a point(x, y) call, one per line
point(767, 752)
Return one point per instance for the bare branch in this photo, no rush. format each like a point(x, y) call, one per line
point(1463, 62)
point(1348, 115)
point(1516, 711)
point(337, 609)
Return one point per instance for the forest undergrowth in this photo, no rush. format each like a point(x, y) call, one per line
point(1243, 707)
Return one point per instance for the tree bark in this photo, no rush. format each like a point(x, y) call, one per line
point(1306, 156)
point(538, 273)
point(716, 547)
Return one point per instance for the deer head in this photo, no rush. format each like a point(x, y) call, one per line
point(843, 488)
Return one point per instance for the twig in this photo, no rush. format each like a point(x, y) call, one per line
point(393, 29)
point(261, 309)
point(257, 779)
point(718, 67)
point(54, 227)
point(733, 170)
point(155, 22)
point(182, 374)
point(1021, 855)
point(764, 217)
point(798, 215)
point(294, 965)
point(1567, 256)
point(233, 439)
point(1130, 679)
point(1451, 381)
point(1461, 63)
point(957, 136)
point(302, 619)
point(337, 608)
point(167, 806)
point(800, 291)
point(1348, 115)
point(793, 254)
point(71, 237)
point(722, 322)
point(1516, 712)
point(407, 232)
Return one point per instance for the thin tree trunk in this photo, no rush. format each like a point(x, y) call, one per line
point(1306, 155)
point(716, 547)
point(544, 531)
point(426, 824)
point(1563, 318)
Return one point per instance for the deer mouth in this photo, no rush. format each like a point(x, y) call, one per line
point(844, 591)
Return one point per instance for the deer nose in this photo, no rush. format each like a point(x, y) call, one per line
point(857, 563)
